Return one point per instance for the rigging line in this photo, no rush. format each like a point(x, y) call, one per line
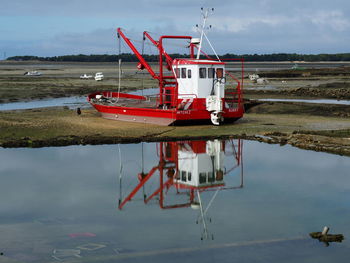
point(140, 42)
point(119, 78)
point(119, 45)
point(120, 173)
point(202, 215)
point(212, 200)
point(168, 44)
point(142, 52)
point(142, 168)
point(119, 65)
point(133, 33)
point(153, 33)
point(205, 35)
point(241, 162)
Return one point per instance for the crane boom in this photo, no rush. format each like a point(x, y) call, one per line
point(137, 53)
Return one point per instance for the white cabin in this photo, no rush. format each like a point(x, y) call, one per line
point(201, 169)
point(199, 78)
point(202, 79)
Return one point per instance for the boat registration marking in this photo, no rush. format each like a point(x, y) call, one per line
point(183, 112)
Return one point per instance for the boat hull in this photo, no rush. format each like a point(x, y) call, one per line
point(163, 121)
point(160, 116)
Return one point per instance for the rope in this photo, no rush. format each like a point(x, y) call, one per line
point(142, 51)
point(119, 67)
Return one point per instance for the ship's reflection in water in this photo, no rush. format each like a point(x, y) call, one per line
point(185, 170)
point(61, 203)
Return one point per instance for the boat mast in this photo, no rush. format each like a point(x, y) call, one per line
point(205, 17)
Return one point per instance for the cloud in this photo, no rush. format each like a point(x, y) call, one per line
point(333, 19)
point(251, 26)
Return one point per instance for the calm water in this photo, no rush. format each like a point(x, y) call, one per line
point(191, 202)
point(71, 102)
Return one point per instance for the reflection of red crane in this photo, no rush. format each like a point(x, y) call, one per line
point(173, 157)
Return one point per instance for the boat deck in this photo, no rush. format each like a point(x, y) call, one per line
point(150, 103)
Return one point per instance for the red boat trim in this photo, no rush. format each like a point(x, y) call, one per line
point(193, 62)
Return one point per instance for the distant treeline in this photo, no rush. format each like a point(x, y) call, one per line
point(127, 57)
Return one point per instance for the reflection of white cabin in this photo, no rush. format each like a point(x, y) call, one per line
point(201, 169)
point(199, 78)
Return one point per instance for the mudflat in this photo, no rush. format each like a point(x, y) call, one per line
point(321, 127)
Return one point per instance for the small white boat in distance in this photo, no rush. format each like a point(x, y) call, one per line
point(86, 76)
point(32, 73)
point(99, 76)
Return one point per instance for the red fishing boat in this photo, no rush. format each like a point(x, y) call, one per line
point(190, 90)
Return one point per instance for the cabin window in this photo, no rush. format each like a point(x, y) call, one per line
point(183, 73)
point(219, 73)
point(211, 177)
point(202, 178)
point(183, 176)
point(211, 73)
point(189, 73)
point(177, 73)
point(219, 175)
point(189, 176)
point(202, 73)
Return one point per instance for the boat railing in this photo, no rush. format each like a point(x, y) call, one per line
point(235, 96)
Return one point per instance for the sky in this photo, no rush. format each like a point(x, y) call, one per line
point(65, 27)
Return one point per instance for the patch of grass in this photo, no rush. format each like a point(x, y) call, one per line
point(296, 108)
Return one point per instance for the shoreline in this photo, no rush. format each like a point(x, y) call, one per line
point(301, 141)
point(59, 126)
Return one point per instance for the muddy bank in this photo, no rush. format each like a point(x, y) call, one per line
point(331, 83)
point(336, 90)
point(272, 122)
point(301, 72)
point(62, 127)
point(328, 110)
point(307, 141)
point(63, 80)
point(15, 91)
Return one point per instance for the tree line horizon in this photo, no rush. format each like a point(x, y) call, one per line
point(128, 57)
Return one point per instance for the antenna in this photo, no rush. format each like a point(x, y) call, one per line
point(205, 14)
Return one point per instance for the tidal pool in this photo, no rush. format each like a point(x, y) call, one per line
point(214, 201)
point(71, 102)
